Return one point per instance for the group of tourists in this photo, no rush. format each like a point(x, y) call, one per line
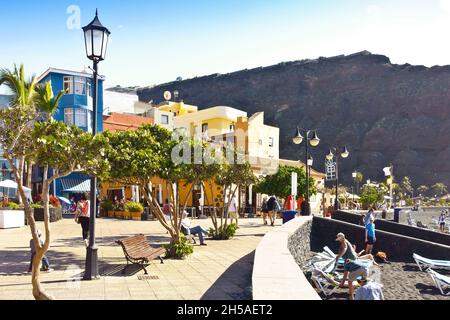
point(442, 219)
point(270, 208)
point(356, 264)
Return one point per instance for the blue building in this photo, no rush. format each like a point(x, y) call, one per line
point(75, 108)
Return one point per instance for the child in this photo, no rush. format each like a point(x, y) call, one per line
point(45, 262)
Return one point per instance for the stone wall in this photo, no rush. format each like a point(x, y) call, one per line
point(276, 274)
point(397, 228)
point(397, 247)
point(299, 243)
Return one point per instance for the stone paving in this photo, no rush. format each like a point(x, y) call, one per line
point(220, 270)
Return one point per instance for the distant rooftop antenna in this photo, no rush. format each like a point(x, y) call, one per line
point(167, 95)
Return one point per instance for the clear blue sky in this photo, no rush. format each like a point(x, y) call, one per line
point(155, 41)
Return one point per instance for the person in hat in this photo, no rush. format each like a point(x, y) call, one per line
point(347, 251)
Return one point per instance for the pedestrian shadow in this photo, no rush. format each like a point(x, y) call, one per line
point(235, 283)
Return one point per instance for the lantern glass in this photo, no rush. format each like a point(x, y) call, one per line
point(345, 154)
point(310, 161)
point(330, 156)
point(97, 43)
point(315, 140)
point(88, 42)
point(105, 44)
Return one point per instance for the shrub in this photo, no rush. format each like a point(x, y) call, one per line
point(13, 206)
point(134, 207)
point(36, 206)
point(178, 250)
point(222, 234)
point(107, 205)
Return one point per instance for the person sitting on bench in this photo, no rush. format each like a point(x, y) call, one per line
point(197, 231)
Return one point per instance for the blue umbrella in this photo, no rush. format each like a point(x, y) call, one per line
point(65, 200)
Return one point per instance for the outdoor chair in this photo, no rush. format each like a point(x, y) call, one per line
point(442, 282)
point(324, 282)
point(424, 263)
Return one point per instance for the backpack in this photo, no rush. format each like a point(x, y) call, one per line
point(382, 256)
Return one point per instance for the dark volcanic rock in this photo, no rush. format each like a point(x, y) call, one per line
point(385, 113)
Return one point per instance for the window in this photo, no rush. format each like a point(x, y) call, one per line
point(232, 127)
point(204, 127)
point(80, 86)
point(68, 85)
point(260, 142)
point(270, 142)
point(80, 118)
point(164, 119)
point(68, 116)
point(89, 86)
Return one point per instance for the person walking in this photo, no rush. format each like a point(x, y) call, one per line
point(441, 221)
point(370, 235)
point(233, 212)
point(273, 207)
point(368, 216)
point(265, 211)
point(300, 205)
point(82, 216)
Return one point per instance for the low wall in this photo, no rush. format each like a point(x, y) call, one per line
point(276, 273)
point(397, 247)
point(397, 228)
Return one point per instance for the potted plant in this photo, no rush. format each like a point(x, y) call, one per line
point(107, 207)
point(12, 215)
point(135, 210)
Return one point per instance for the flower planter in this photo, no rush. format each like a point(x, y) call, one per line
point(127, 215)
point(12, 219)
point(136, 215)
point(55, 214)
point(120, 214)
point(111, 214)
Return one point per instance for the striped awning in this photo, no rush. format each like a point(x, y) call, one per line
point(75, 185)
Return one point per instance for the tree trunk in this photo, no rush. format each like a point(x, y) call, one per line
point(29, 173)
point(38, 292)
point(213, 214)
point(19, 179)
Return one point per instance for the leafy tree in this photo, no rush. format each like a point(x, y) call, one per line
point(279, 184)
point(371, 195)
point(440, 189)
point(136, 157)
point(406, 186)
point(423, 189)
point(25, 136)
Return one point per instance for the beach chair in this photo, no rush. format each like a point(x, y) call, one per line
point(442, 282)
point(424, 263)
point(324, 282)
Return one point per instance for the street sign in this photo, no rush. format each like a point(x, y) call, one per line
point(330, 170)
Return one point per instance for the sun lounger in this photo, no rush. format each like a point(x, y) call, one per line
point(442, 282)
point(324, 282)
point(424, 263)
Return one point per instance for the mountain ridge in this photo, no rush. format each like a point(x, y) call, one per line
point(385, 113)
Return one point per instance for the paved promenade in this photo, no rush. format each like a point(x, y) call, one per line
point(220, 270)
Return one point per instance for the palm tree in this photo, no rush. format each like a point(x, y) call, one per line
point(46, 102)
point(358, 179)
point(24, 95)
point(440, 189)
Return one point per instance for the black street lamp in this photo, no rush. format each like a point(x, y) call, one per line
point(354, 175)
point(96, 42)
point(314, 142)
point(334, 153)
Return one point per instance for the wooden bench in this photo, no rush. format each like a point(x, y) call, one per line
point(138, 251)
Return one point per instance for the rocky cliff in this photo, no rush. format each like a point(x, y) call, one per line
point(385, 113)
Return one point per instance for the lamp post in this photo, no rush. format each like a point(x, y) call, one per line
point(334, 153)
point(312, 139)
point(354, 175)
point(96, 42)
